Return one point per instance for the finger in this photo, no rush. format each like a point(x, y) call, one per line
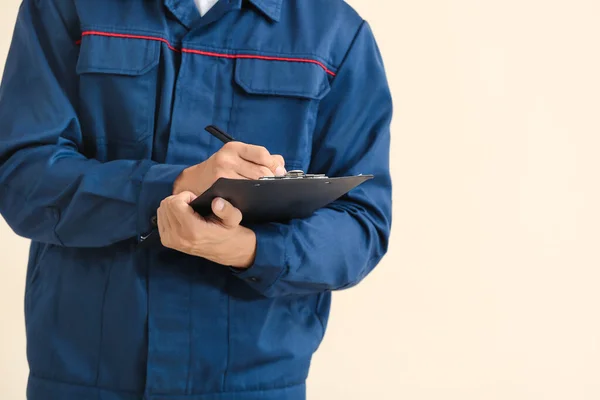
point(162, 222)
point(229, 169)
point(281, 162)
point(250, 170)
point(170, 212)
point(258, 155)
point(181, 215)
point(229, 215)
point(230, 154)
point(231, 174)
point(186, 223)
point(186, 197)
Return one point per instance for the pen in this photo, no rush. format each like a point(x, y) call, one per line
point(219, 134)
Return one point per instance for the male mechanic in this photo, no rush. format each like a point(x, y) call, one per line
point(102, 110)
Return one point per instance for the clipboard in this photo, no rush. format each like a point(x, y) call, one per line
point(277, 200)
point(269, 199)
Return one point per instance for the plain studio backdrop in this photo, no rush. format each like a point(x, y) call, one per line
point(490, 288)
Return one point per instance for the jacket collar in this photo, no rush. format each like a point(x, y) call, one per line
point(187, 13)
point(271, 8)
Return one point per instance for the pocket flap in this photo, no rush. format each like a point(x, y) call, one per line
point(117, 55)
point(281, 78)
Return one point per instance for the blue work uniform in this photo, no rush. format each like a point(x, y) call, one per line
point(102, 105)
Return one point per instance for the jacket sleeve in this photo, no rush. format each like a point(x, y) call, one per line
point(49, 191)
point(339, 245)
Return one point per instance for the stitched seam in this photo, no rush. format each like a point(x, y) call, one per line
point(188, 384)
point(207, 53)
point(265, 390)
point(285, 268)
point(279, 92)
point(316, 311)
point(82, 385)
point(140, 210)
point(104, 388)
point(360, 28)
point(228, 361)
point(109, 28)
point(102, 316)
point(248, 87)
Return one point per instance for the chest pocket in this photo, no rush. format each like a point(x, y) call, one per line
point(117, 95)
point(275, 105)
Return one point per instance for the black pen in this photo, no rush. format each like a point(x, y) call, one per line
point(219, 134)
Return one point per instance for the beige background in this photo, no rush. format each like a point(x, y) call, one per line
point(490, 290)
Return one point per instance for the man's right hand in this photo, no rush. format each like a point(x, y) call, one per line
point(235, 160)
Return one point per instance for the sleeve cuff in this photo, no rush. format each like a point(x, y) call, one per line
point(270, 261)
point(156, 186)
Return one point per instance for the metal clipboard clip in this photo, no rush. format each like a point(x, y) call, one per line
point(294, 174)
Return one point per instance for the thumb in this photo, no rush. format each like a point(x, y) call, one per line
point(227, 213)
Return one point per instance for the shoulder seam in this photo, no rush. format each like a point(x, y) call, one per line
point(360, 28)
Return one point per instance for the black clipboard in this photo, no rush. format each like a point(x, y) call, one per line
point(277, 200)
point(274, 199)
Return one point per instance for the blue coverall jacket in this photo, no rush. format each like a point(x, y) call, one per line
point(102, 105)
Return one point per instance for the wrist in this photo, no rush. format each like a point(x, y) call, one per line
point(243, 248)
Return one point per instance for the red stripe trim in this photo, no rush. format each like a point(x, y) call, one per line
point(206, 53)
point(124, 36)
point(257, 57)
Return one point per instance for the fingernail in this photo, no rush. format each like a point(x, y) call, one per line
point(219, 205)
point(280, 171)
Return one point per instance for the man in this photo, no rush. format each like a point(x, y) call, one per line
point(102, 110)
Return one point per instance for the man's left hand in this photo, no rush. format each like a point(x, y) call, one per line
point(219, 238)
